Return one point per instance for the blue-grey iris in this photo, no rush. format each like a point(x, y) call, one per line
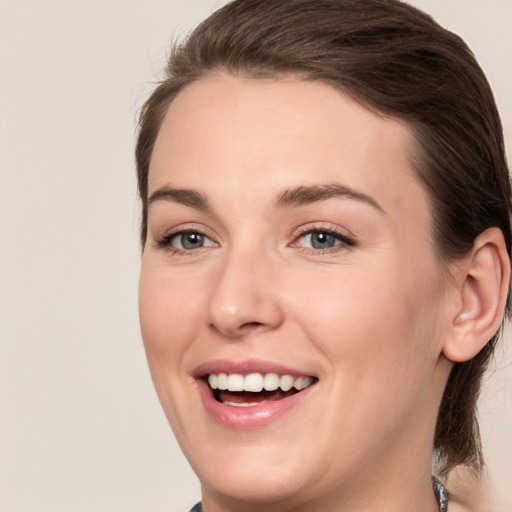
point(322, 240)
point(191, 240)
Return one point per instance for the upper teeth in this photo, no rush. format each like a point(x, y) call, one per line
point(256, 382)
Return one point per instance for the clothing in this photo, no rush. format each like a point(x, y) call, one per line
point(439, 491)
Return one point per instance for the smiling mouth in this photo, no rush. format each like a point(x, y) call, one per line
point(253, 389)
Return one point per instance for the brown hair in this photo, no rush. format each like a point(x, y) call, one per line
point(398, 61)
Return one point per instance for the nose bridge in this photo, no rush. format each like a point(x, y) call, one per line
point(242, 297)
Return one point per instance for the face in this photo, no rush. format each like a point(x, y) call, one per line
point(289, 265)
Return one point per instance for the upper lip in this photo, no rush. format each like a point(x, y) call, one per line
point(246, 367)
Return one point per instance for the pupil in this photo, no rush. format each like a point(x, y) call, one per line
point(192, 240)
point(322, 241)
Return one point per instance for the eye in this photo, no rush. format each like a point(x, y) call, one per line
point(185, 241)
point(320, 240)
point(189, 240)
point(323, 240)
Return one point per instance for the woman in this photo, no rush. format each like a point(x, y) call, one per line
point(326, 254)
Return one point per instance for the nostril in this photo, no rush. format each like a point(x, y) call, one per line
point(249, 325)
point(237, 330)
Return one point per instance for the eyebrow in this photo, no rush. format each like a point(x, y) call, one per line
point(183, 196)
point(290, 198)
point(303, 195)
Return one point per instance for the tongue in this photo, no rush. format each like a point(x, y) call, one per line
point(240, 397)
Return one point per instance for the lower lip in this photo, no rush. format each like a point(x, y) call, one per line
point(249, 417)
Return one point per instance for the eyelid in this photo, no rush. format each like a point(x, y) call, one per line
point(175, 242)
point(346, 238)
point(164, 240)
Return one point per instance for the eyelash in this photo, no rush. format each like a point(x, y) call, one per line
point(165, 242)
point(345, 241)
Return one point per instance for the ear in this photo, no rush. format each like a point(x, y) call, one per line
point(482, 281)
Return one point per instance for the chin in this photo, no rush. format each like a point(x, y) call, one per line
point(256, 475)
point(263, 487)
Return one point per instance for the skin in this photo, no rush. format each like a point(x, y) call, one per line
point(369, 320)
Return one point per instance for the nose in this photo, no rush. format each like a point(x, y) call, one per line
point(244, 297)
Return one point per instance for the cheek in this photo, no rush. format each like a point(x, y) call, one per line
point(168, 311)
point(373, 325)
point(169, 322)
point(378, 338)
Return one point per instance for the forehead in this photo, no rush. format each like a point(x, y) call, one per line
point(257, 134)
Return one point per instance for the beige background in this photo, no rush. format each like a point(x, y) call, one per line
point(80, 426)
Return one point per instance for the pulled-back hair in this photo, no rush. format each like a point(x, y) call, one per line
point(397, 61)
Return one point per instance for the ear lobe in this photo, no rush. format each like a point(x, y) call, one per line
point(483, 284)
